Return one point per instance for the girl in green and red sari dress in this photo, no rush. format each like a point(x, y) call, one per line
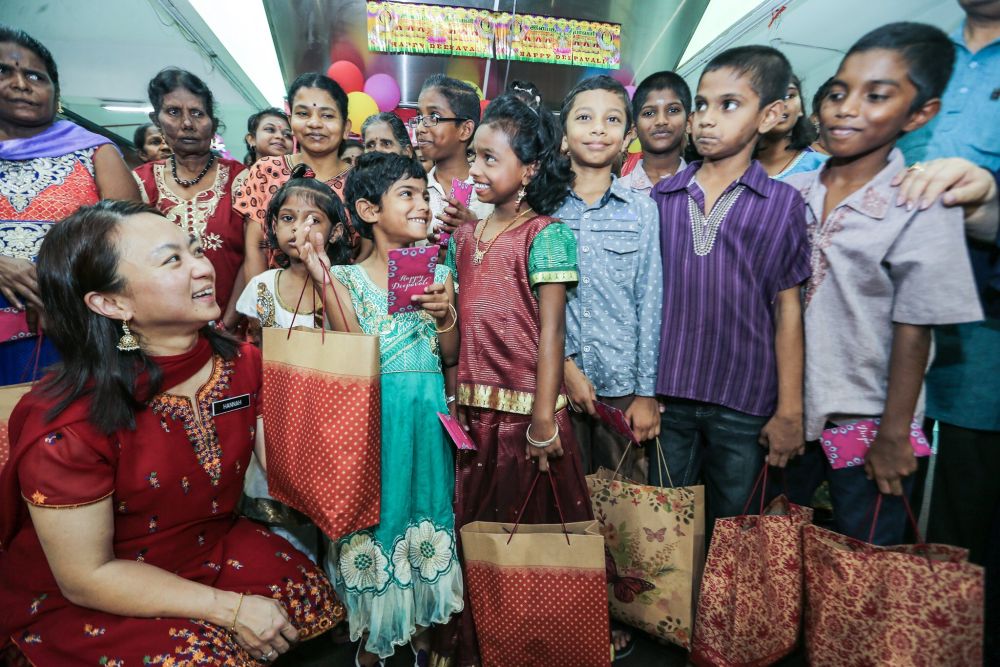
point(513, 270)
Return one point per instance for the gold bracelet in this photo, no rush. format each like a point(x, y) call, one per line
point(454, 320)
point(237, 614)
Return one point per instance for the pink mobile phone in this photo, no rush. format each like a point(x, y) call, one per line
point(410, 271)
point(461, 191)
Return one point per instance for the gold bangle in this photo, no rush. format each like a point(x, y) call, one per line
point(237, 614)
point(454, 320)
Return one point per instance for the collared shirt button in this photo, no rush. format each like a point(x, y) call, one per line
point(963, 90)
point(586, 280)
point(586, 313)
point(586, 348)
point(586, 248)
point(973, 65)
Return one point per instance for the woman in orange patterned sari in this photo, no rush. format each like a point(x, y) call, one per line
point(193, 187)
point(119, 542)
point(48, 169)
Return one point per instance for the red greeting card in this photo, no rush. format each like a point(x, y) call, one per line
point(457, 433)
point(410, 271)
point(616, 420)
point(461, 191)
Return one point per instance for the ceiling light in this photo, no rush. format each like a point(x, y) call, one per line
point(128, 107)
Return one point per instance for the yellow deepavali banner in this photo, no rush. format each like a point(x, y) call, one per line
point(403, 27)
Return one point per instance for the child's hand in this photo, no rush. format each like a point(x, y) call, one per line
point(782, 437)
point(889, 460)
point(580, 390)
point(455, 214)
point(643, 416)
point(435, 301)
point(313, 256)
point(554, 451)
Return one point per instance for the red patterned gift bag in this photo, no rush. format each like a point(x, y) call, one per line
point(655, 540)
point(916, 605)
point(750, 607)
point(538, 593)
point(9, 397)
point(322, 425)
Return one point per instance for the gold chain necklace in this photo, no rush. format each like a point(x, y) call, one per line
point(480, 254)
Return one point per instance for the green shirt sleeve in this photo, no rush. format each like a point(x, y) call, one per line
point(552, 258)
point(449, 259)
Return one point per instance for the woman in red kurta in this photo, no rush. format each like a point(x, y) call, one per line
point(193, 187)
point(119, 542)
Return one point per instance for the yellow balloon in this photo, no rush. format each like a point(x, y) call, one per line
point(359, 107)
point(479, 91)
point(634, 147)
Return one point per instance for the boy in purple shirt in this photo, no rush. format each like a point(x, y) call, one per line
point(735, 253)
point(882, 275)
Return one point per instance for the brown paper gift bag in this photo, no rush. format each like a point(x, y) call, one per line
point(919, 605)
point(750, 606)
point(655, 541)
point(322, 425)
point(9, 397)
point(538, 593)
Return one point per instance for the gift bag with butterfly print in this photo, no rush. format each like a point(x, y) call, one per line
point(655, 539)
point(750, 607)
point(537, 591)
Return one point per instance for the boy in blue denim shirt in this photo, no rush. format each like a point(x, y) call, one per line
point(613, 315)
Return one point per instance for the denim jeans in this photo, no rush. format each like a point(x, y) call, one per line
point(853, 496)
point(714, 444)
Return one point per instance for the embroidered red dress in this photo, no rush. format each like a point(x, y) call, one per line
point(498, 359)
point(209, 215)
point(174, 485)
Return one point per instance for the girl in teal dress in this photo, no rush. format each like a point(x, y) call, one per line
point(401, 576)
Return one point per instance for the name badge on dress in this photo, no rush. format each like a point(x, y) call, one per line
point(224, 405)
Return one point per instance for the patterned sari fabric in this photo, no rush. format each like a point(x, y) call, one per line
point(173, 484)
point(209, 215)
point(34, 194)
point(404, 572)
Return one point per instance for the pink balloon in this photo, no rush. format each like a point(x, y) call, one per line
point(347, 75)
point(384, 90)
point(631, 91)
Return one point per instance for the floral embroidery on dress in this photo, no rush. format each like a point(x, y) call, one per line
point(185, 485)
point(430, 550)
point(311, 604)
point(192, 215)
point(37, 603)
point(265, 306)
point(38, 497)
point(821, 237)
point(153, 481)
point(153, 523)
point(31, 638)
point(363, 564)
point(53, 438)
point(21, 181)
point(210, 645)
point(202, 436)
point(22, 238)
point(92, 631)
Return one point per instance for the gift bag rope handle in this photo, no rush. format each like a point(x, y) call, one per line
point(913, 523)
point(326, 277)
point(531, 492)
point(761, 483)
point(661, 461)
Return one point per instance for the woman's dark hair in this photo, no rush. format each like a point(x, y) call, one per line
point(350, 143)
point(253, 122)
point(928, 52)
point(80, 255)
point(320, 195)
point(170, 79)
point(323, 82)
point(535, 137)
point(395, 124)
point(139, 138)
point(803, 133)
point(599, 82)
point(24, 40)
point(372, 176)
point(820, 95)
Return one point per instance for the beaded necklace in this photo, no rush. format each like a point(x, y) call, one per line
point(704, 229)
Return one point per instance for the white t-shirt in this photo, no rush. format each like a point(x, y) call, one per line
point(260, 300)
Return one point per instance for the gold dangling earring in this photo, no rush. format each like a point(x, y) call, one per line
point(128, 342)
point(520, 197)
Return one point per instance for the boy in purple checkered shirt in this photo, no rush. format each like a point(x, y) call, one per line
point(735, 253)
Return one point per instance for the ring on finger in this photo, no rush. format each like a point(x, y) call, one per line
point(916, 166)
